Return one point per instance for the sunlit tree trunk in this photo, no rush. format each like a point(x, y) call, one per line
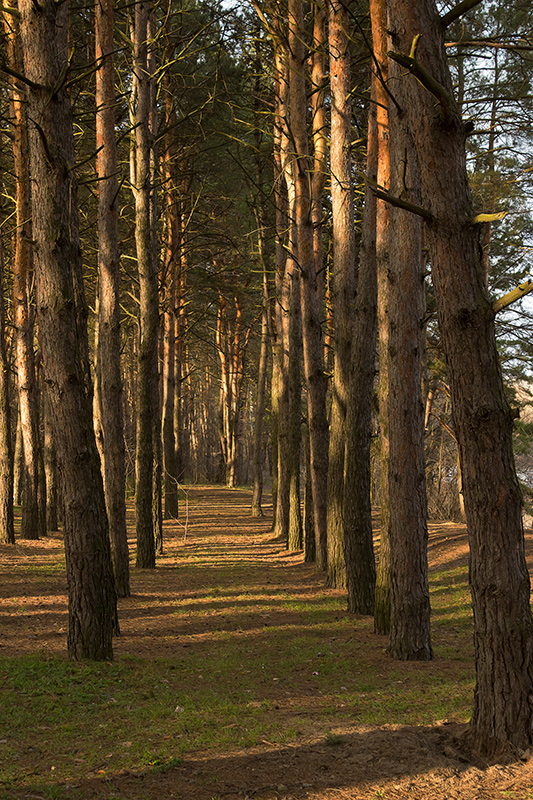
point(18, 463)
point(50, 468)
point(282, 303)
point(503, 625)
point(263, 248)
point(181, 428)
point(342, 278)
point(378, 13)
point(23, 314)
point(258, 454)
point(63, 336)
point(232, 343)
point(148, 288)
point(292, 335)
point(294, 436)
point(7, 524)
point(319, 137)
point(109, 370)
point(170, 279)
point(358, 534)
point(315, 379)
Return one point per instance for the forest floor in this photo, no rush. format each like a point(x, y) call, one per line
point(237, 675)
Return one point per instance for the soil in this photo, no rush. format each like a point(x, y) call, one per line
point(390, 761)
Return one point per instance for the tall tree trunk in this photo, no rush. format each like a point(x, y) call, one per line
point(109, 371)
point(280, 397)
point(294, 433)
point(231, 346)
point(358, 537)
point(180, 410)
point(18, 463)
point(342, 278)
point(23, 315)
point(258, 454)
point(50, 468)
point(378, 13)
point(308, 520)
point(503, 625)
point(148, 286)
point(292, 321)
point(170, 272)
point(63, 335)
point(7, 523)
point(315, 379)
point(410, 610)
point(319, 137)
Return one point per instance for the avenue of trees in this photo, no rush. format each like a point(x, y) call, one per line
point(278, 239)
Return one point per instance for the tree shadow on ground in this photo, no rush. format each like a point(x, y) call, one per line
point(391, 762)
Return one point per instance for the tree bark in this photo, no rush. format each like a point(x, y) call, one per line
point(499, 581)
point(378, 13)
point(319, 137)
point(263, 248)
point(280, 372)
point(410, 610)
point(109, 370)
point(50, 468)
point(63, 333)
point(343, 289)
point(315, 379)
point(170, 275)
point(7, 522)
point(358, 538)
point(149, 316)
point(258, 454)
point(23, 314)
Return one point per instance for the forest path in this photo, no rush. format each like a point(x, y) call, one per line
point(239, 675)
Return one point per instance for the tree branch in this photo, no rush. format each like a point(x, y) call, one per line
point(480, 218)
point(10, 10)
point(18, 76)
point(513, 296)
point(458, 11)
point(395, 201)
point(427, 81)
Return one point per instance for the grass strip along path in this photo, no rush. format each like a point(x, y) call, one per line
point(237, 674)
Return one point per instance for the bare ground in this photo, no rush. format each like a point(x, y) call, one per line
point(390, 761)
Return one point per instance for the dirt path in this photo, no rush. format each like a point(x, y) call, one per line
point(184, 605)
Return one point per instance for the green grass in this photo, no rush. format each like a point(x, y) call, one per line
point(256, 679)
